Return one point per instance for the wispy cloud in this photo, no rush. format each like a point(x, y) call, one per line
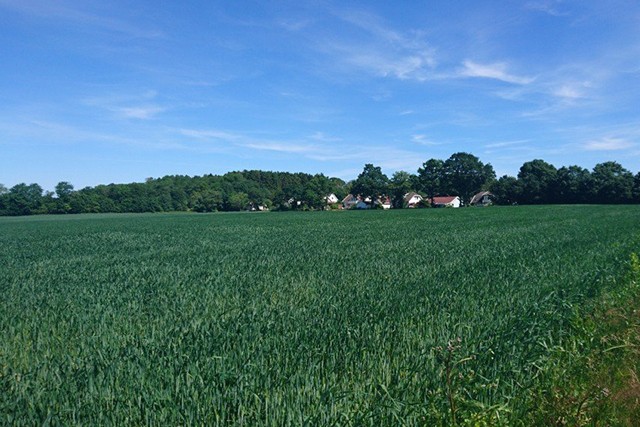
point(64, 11)
point(504, 144)
point(550, 7)
point(209, 134)
point(141, 112)
point(422, 139)
point(608, 144)
point(321, 136)
point(129, 106)
point(380, 49)
point(496, 71)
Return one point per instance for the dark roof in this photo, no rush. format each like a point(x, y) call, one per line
point(478, 197)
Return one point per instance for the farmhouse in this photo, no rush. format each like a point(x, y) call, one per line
point(411, 200)
point(447, 201)
point(349, 201)
point(483, 198)
point(331, 199)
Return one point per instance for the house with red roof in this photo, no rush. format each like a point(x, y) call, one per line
point(446, 202)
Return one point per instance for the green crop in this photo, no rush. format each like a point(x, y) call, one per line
point(321, 318)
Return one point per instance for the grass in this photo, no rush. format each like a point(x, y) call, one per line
point(327, 318)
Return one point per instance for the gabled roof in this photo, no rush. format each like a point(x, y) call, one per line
point(409, 196)
point(478, 197)
point(349, 198)
point(443, 200)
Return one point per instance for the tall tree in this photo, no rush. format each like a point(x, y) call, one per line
point(430, 178)
point(506, 190)
point(536, 178)
point(612, 183)
point(636, 188)
point(572, 185)
point(64, 189)
point(401, 184)
point(24, 199)
point(465, 175)
point(371, 183)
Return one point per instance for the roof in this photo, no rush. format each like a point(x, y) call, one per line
point(410, 196)
point(476, 199)
point(443, 200)
point(349, 198)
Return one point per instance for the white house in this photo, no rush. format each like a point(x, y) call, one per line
point(349, 201)
point(331, 199)
point(411, 200)
point(385, 202)
point(447, 201)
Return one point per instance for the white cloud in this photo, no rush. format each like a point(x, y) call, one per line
point(422, 140)
point(416, 66)
point(506, 143)
point(497, 71)
point(72, 13)
point(608, 144)
point(284, 147)
point(381, 50)
point(549, 7)
point(142, 112)
point(321, 136)
point(210, 134)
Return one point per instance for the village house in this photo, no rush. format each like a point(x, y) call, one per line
point(447, 202)
point(349, 201)
point(483, 198)
point(331, 199)
point(412, 200)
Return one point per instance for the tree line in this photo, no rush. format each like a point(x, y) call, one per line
point(462, 174)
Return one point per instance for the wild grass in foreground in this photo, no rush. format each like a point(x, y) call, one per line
point(328, 318)
point(591, 378)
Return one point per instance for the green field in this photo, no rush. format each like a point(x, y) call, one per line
point(313, 318)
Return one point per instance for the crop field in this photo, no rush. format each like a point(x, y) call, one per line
point(314, 318)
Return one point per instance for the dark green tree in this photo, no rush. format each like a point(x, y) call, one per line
point(371, 184)
point(64, 189)
point(573, 184)
point(612, 183)
point(636, 188)
point(465, 175)
point(401, 183)
point(506, 190)
point(537, 178)
point(24, 199)
point(430, 178)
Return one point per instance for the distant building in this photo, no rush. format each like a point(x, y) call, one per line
point(447, 201)
point(331, 199)
point(483, 198)
point(412, 200)
point(349, 201)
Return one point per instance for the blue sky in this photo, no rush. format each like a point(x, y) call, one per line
point(95, 92)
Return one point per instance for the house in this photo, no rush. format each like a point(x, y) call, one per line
point(385, 202)
point(357, 202)
point(483, 198)
point(331, 199)
point(362, 204)
point(350, 201)
point(412, 200)
point(447, 202)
